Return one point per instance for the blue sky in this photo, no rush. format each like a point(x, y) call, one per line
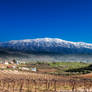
point(65, 19)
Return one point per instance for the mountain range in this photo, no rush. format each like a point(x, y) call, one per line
point(46, 49)
point(46, 45)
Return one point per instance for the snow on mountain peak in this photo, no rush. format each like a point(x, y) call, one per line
point(37, 40)
point(57, 41)
point(47, 44)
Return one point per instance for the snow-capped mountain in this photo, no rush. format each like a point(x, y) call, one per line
point(47, 45)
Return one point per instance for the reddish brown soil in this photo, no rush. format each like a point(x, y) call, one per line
point(87, 75)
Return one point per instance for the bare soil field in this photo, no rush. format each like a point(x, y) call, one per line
point(87, 75)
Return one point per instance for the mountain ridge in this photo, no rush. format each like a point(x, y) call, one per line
point(48, 45)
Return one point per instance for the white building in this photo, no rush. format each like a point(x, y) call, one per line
point(24, 68)
point(6, 62)
point(34, 69)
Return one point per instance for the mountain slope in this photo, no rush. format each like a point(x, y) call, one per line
point(47, 45)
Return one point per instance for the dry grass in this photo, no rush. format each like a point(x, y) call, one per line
point(16, 81)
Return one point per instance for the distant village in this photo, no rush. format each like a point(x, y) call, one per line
point(15, 65)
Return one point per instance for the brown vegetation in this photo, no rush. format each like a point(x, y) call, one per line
point(14, 81)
